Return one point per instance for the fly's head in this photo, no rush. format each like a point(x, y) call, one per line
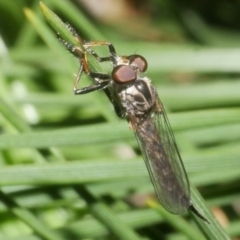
point(135, 92)
point(138, 62)
point(127, 68)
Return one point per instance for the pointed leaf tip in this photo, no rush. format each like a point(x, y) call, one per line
point(42, 6)
point(28, 13)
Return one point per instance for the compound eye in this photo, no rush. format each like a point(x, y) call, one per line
point(140, 62)
point(123, 74)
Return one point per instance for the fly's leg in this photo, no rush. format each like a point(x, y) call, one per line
point(79, 53)
point(101, 84)
point(101, 80)
point(91, 88)
point(111, 48)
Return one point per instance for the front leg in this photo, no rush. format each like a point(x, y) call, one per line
point(100, 81)
point(80, 53)
point(91, 88)
point(112, 51)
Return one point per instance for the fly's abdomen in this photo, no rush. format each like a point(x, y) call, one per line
point(167, 178)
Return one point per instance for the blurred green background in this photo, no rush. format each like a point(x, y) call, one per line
point(70, 169)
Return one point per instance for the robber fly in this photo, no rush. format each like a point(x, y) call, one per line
point(134, 98)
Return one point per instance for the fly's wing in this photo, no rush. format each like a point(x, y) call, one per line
point(163, 160)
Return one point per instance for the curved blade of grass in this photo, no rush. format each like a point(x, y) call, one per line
point(61, 28)
point(51, 40)
point(212, 231)
point(77, 16)
point(178, 223)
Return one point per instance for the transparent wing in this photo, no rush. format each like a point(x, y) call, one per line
point(163, 160)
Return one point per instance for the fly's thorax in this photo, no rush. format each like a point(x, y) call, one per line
point(138, 97)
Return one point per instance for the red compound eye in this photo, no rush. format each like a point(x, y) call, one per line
point(140, 61)
point(123, 74)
